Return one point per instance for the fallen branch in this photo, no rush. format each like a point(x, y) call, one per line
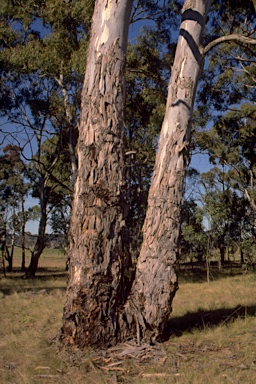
point(156, 374)
point(111, 368)
point(48, 376)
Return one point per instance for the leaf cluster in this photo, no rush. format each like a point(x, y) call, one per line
point(45, 35)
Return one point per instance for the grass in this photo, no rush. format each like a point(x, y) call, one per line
point(210, 338)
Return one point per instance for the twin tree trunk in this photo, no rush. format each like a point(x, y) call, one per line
point(101, 310)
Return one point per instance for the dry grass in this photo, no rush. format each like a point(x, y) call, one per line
point(211, 336)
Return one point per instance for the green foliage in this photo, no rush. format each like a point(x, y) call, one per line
point(13, 187)
point(147, 72)
point(227, 79)
point(43, 54)
point(44, 51)
point(226, 211)
point(193, 242)
point(34, 31)
point(226, 98)
point(231, 143)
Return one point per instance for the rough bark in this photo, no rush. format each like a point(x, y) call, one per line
point(97, 312)
point(97, 257)
point(149, 304)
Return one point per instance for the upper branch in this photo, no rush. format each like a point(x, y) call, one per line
point(225, 39)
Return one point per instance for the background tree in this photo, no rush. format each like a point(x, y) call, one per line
point(49, 185)
point(225, 211)
point(193, 241)
point(55, 29)
point(60, 30)
point(13, 188)
point(41, 97)
point(231, 146)
point(228, 81)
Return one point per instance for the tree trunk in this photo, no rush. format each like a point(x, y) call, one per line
point(97, 256)
point(71, 142)
point(23, 236)
point(3, 246)
point(241, 257)
point(40, 243)
point(37, 251)
point(96, 312)
point(10, 254)
point(149, 305)
point(221, 260)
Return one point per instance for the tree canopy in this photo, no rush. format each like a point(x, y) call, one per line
point(43, 53)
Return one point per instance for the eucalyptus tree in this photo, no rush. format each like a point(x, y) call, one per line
point(227, 97)
point(41, 96)
point(33, 32)
point(226, 211)
point(50, 173)
point(13, 191)
point(100, 308)
point(229, 88)
point(59, 30)
point(228, 79)
point(193, 237)
point(40, 148)
point(97, 255)
point(98, 326)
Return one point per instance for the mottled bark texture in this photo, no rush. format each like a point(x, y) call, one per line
point(97, 257)
point(96, 312)
point(149, 305)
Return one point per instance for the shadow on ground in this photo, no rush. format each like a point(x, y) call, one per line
point(206, 319)
point(44, 282)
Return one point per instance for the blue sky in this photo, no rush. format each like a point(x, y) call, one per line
point(198, 161)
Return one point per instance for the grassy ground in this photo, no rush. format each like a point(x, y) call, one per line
point(210, 338)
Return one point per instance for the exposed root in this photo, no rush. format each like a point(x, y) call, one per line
point(133, 325)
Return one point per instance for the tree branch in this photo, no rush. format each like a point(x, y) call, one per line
point(225, 39)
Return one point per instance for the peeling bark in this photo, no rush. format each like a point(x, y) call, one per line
point(97, 311)
point(98, 259)
point(149, 304)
